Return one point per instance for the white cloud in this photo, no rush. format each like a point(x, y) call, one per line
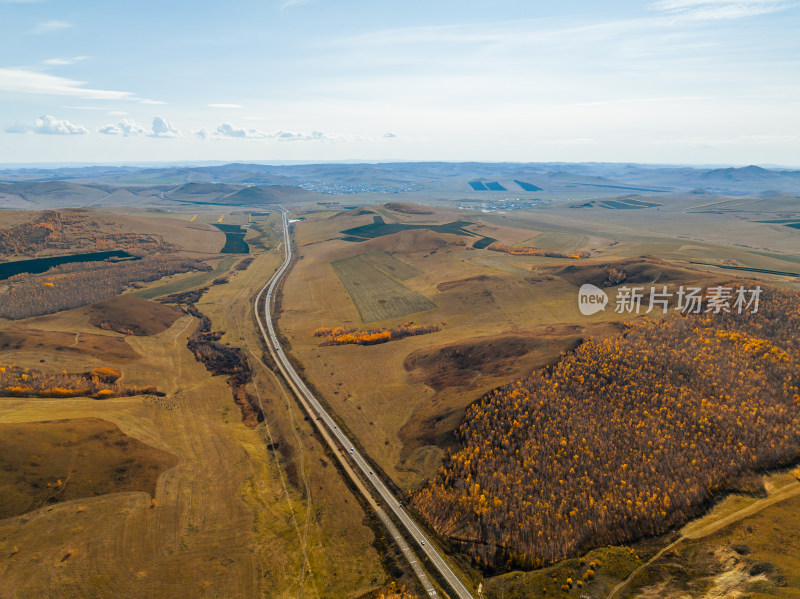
point(389, 135)
point(313, 136)
point(224, 105)
point(48, 26)
point(32, 82)
point(151, 102)
point(712, 10)
point(63, 61)
point(49, 125)
point(110, 130)
point(163, 128)
point(228, 130)
point(125, 128)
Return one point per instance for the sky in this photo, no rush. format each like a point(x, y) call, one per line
point(652, 81)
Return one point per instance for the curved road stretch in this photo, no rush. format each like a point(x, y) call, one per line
point(339, 442)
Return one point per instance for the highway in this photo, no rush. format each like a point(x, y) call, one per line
point(351, 460)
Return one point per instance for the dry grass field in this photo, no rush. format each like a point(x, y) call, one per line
point(44, 463)
point(375, 293)
point(239, 512)
point(559, 241)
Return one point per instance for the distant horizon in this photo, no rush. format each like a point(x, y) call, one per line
point(355, 161)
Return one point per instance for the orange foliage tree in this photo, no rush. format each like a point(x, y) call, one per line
point(626, 437)
point(101, 383)
point(345, 336)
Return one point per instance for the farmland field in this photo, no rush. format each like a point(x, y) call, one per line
point(560, 241)
point(376, 295)
point(618, 205)
point(391, 266)
point(234, 239)
point(527, 186)
point(642, 203)
point(379, 228)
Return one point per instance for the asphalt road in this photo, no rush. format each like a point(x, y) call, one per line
point(351, 459)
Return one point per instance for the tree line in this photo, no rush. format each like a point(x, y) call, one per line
point(80, 283)
point(349, 336)
point(101, 383)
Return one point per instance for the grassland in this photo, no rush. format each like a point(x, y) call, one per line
point(244, 513)
point(391, 265)
point(565, 242)
point(44, 463)
point(377, 295)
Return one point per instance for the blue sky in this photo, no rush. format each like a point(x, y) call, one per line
point(670, 81)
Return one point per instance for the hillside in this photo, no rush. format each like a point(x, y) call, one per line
point(628, 437)
point(403, 177)
point(271, 194)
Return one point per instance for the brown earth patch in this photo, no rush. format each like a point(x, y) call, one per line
point(636, 271)
point(461, 372)
point(456, 365)
point(408, 242)
point(113, 349)
point(465, 283)
point(42, 463)
point(132, 315)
